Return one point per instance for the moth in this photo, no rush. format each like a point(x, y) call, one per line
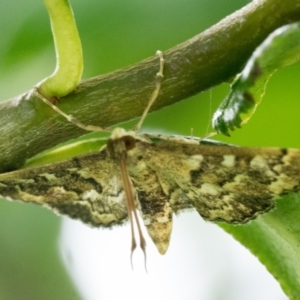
point(159, 176)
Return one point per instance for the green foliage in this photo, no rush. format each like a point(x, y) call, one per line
point(64, 152)
point(275, 239)
point(280, 49)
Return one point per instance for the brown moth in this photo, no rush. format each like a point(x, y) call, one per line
point(162, 176)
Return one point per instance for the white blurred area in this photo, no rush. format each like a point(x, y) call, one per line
point(202, 263)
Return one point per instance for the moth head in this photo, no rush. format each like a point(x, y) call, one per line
point(121, 141)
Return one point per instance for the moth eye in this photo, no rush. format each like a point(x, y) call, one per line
point(129, 142)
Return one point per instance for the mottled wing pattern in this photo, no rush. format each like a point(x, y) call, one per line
point(223, 183)
point(87, 187)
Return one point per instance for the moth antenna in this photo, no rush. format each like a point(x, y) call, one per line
point(133, 217)
point(142, 245)
point(142, 239)
point(70, 118)
point(133, 241)
point(159, 77)
point(209, 111)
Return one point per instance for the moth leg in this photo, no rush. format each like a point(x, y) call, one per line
point(159, 77)
point(209, 135)
point(76, 122)
point(70, 118)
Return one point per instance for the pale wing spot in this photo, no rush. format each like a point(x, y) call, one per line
point(180, 140)
point(91, 194)
point(58, 192)
point(180, 196)
point(278, 169)
point(283, 183)
point(227, 198)
point(210, 189)
point(270, 173)
point(197, 157)
point(216, 214)
point(259, 162)
point(140, 167)
point(26, 181)
point(276, 187)
point(58, 189)
point(85, 172)
point(192, 194)
point(240, 178)
point(105, 219)
point(291, 154)
point(194, 162)
point(101, 218)
point(232, 186)
point(49, 176)
point(72, 169)
point(164, 219)
point(31, 198)
point(229, 161)
point(116, 199)
point(113, 185)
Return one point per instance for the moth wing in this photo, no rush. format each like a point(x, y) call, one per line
point(87, 187)
point(223, 183)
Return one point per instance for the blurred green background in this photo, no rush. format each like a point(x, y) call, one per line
point(115, 34)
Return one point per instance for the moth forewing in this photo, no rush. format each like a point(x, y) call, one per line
point(84, 187)
point(223, 183)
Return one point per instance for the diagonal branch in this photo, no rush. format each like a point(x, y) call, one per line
point(28, 127)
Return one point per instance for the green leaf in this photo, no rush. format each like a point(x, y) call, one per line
point(64, 152)
point(281, 48)
point(275, 239)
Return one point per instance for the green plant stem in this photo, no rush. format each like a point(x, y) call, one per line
point(69, 58)
point(27, 127)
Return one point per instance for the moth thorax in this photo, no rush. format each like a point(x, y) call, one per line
point(119, 147)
